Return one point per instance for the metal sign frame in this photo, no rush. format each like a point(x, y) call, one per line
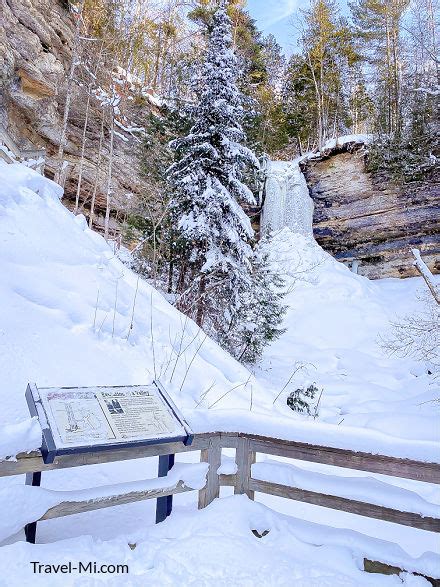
point(49, 448)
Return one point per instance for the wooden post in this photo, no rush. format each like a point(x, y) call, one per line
point(244, 457)
point(213, 456)
point(30, 530)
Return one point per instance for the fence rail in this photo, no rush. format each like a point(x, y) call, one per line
point(247, 446)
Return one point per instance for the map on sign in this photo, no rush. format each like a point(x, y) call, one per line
point(84, 416)
point(105, 416)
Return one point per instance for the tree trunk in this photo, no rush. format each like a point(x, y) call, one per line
point(109, 178)
point(201, 301)
point(157, 60)
point(83, 148)
point(98, 163)
point(69, 89)
point(318, 103)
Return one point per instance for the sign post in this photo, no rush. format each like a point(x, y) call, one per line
point(97, 419)
point(30, 530)
point(164, 505)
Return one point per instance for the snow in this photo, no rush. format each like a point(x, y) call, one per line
point(365, 489)
point(315, 432)
point(421, 265)
point(180, 552)
point(31, 503)
point(66, 304)
point(331, 144)
point(121, 136)
point(130, 129)
point(25, 434)
point(136, 84)
point(335, 321)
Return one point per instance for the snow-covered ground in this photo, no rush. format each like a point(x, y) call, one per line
point(67, 305)
point(334, 326)
point(335, 323)
point(213, 547)
point(66, 310)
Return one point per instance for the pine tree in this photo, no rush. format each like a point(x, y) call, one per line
point(324, 90)
point(214, 233)
point(148, 221)
point(299, 103)
point(258, 320)
point(406, 145)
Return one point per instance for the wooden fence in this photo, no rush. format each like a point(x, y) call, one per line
point(247, 446)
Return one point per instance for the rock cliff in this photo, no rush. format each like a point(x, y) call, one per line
point(369, 220)
point(36, 39)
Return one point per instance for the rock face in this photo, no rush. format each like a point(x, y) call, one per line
point(36, 39)
point(369, 220)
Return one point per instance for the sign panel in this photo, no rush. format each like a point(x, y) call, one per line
point(98, 418)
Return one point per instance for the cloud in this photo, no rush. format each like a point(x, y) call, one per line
point(270, 12)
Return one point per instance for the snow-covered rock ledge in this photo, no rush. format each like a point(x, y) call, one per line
point(339, 143)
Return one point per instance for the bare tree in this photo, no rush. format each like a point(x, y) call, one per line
point(77, 11)
point(113, 105)
point(98, 164)
point(424, 271)
point(86, 122)
point(418, 335)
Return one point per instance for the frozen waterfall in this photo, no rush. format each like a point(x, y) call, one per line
point(287, 202)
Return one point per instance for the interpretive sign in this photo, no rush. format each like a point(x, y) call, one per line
point(89, 419)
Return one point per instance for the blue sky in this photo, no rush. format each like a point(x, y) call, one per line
point(277, 17)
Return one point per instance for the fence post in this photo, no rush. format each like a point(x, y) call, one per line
point(213, 456)
point(244, 457)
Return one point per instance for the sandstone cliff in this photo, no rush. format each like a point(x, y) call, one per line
point(36, 39)
point(369, 219)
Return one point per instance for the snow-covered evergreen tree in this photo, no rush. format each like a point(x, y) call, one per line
point(258, 320)
point(214, 233)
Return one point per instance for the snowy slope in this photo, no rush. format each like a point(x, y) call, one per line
point(66, 306)
point(334, 322)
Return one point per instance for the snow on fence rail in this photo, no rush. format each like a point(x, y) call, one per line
point(246, 446)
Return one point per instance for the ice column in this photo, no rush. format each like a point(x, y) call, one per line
point(287, 202)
